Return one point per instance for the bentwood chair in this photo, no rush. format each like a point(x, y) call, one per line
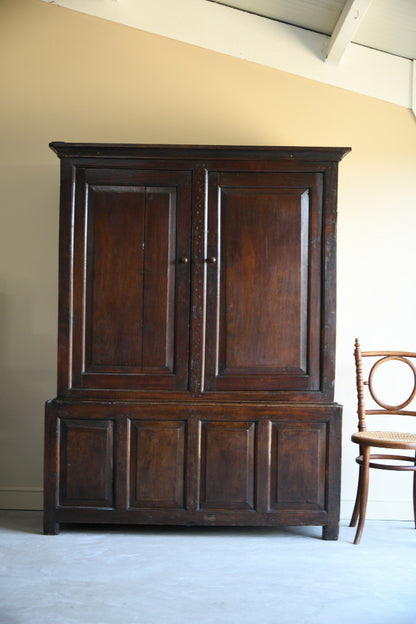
point(393, 440)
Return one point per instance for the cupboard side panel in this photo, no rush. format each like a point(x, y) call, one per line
point(51, 470)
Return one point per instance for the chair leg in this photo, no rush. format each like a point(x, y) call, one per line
point(365, 473)
point(356, 511)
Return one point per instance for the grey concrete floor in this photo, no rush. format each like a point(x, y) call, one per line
point(89, 575)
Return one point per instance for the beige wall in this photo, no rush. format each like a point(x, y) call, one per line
point(67, 76)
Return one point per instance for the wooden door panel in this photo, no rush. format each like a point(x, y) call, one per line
point(86, 463)
point(227, 465)
point(131, 294)
point(263, 304)
point(157, 464)
point(298, 460)
point(260, 258)
point(116, 236)
point(159, 259)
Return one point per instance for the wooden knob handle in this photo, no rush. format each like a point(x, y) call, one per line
point(183, 260)
point(211, 260)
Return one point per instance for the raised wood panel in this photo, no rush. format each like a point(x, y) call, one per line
point(157, 464)
point(115, 266)
point(264, 245)
point(263, 307)
point(227, 465)
point(86, 463)
point(298, 459)
point(159, 261)
point(130, 279)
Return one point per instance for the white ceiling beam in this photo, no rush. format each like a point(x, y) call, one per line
point(346, 27)
point(259, 40)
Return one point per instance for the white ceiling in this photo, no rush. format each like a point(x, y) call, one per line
point(387, 25)
point(366, 46)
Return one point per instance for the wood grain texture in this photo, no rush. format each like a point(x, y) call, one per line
point(87, 458)
point(157, 470)
point(227, 465)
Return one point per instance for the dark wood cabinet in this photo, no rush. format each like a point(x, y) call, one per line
point(196, 338)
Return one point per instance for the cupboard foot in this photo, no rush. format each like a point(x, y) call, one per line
point(50, 527)
point(330, 531)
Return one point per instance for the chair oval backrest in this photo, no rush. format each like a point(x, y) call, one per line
point(382, 357)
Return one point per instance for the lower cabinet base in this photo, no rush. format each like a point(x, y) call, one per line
point(269, 520)
point(192, 464)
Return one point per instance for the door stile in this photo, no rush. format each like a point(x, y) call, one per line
point(193, 463)
point(263, 465)
point(122, 462)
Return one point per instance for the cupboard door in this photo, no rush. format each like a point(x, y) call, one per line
point(227, 465)
point(298, 464)
point(131, 280)
point(263, 281)
point(86, 463)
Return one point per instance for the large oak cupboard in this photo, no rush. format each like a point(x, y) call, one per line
point(196, 338)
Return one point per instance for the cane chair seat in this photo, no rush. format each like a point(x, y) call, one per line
point(392, 440)
point(386, 439)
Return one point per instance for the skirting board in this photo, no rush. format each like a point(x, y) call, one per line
point(31, 498)
point(381, 510)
